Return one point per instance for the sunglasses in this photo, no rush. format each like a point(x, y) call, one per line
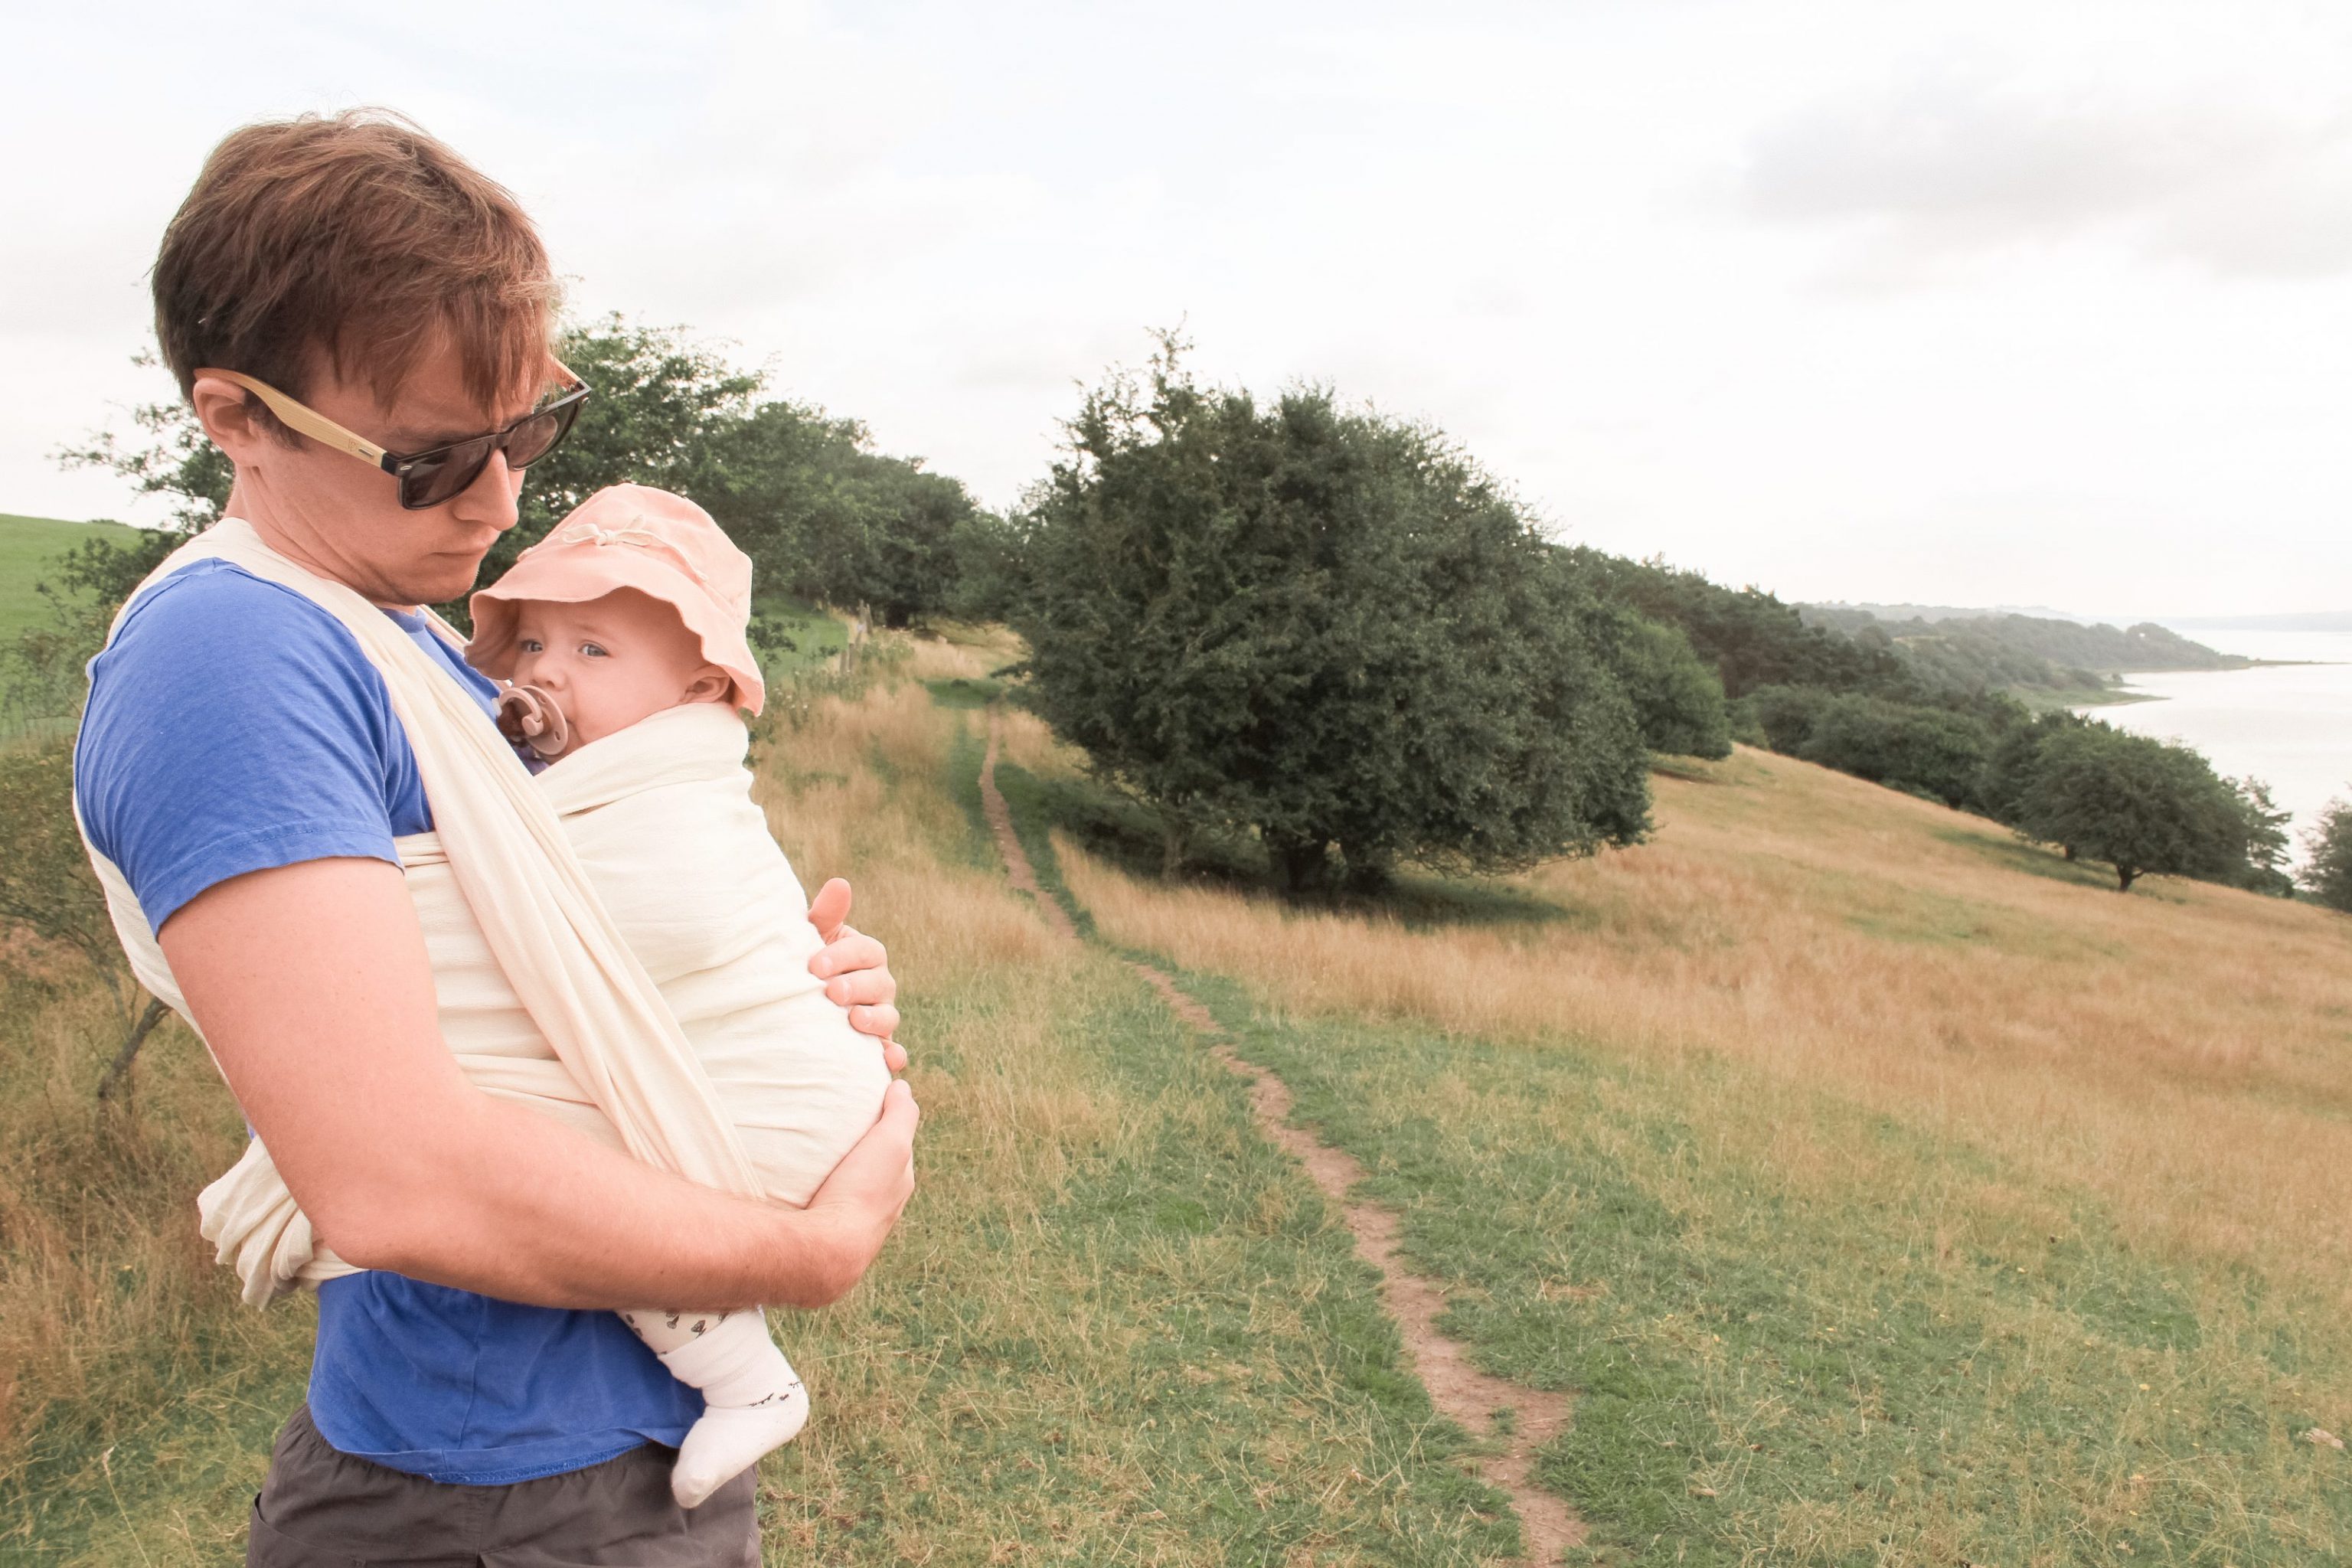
point(440, 473)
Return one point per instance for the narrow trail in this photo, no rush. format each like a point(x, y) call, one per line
point(1459, 1390)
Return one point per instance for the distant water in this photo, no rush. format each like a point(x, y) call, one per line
point(2290, 726)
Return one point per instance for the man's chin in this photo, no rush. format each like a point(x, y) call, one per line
point(442, 580)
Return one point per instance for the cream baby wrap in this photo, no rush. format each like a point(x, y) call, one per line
point(617, 943)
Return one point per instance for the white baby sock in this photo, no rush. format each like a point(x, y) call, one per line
point(752, 1401)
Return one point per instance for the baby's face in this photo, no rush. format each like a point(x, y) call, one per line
point(612, 661)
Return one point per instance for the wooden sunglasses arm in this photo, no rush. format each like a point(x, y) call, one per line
point(308, 421)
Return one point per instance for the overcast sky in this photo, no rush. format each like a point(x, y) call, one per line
point(1968, 303)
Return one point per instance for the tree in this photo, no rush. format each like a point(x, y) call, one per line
point(1326, 626)
point(174, 458)
point(1929, 750)
point(1677, 697)
point(1751, 637)
point(2136, 803)
point(829, 519)
point(2328, 877)
point(822, 515)
point(2262, 867)
point(47, 886)
point(2009, 772)
point(1785, 715)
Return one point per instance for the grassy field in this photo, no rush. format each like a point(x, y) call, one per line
point(1116, 1326)
point(1887, 1191)
point(27, 546)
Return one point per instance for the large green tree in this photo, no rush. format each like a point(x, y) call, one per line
point(1323, 624)
point(2138, 804)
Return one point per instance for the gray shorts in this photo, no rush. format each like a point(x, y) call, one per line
point(320, 1507)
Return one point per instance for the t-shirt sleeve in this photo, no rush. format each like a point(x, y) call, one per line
point(234, 726)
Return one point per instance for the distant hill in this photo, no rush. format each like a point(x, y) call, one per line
point(2315, 621)
point(27, 546)
point(1985, 649)
point(1956, 612)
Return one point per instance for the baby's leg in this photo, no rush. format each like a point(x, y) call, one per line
point(752, 1401)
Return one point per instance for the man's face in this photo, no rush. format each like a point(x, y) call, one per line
point(346, 517)
point(612, 661)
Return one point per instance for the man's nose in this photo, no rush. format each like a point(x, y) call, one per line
point(495, 497)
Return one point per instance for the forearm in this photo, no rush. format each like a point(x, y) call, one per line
point(311, 984)
point(314, 993)
point(512, 1204)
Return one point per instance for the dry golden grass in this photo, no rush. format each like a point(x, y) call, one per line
point(1111, 1319)
point(2181, 1051)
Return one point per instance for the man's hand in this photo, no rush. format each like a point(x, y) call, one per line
point(863, 1198)
point(856, 971)
point(313, 987)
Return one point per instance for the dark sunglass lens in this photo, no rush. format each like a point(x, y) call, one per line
point(437, 477)
point(543, 433)
point(533, 439)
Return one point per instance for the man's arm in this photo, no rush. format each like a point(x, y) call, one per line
point(311, 987)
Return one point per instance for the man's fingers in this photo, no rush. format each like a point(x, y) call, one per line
point(880, 1020)
point(862, 988)
point(893, 1056)
point(849, 952)
point(829, 908)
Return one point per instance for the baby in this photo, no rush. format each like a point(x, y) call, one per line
point(622, 637)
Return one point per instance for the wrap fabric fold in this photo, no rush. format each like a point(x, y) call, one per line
point(591, 1037)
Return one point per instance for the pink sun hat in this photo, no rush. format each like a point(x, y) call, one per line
point(631, 536)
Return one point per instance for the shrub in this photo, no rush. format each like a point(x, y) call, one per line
point(1929, 751)
point(1323, 624)
point(1677, 697)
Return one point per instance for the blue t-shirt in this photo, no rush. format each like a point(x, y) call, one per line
point(234, 726)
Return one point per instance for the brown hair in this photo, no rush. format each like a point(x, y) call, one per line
point(357, 235)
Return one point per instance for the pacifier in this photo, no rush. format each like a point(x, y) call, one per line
point(529, 717)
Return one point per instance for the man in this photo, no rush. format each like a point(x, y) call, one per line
point(472, 1398)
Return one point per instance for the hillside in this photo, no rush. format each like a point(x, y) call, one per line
point(28, 545)
point(2015, 651)
point(1885, 1190)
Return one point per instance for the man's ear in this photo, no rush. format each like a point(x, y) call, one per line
point(233, 419)
point(710, 684)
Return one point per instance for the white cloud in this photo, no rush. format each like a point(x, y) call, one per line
point(1959, 160)
point(1590, 242)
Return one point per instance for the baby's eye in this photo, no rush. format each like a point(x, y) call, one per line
point(592, 650)
point(530, 645)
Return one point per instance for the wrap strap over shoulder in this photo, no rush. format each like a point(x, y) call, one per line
point(621, 1054)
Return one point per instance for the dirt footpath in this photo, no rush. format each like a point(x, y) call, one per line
point(1459, 1390)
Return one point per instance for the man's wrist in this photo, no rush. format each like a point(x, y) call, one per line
point(825, 1252)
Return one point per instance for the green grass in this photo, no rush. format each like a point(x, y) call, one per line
point(1118, 1327)
point(816, 635)
point(1932, 1358)
point(1803, 1330)
point(28, 545)
point(1115, 1326)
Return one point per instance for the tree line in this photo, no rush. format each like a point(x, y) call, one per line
point(2007, 651)
point(1321, 630)
point(1868, 705)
